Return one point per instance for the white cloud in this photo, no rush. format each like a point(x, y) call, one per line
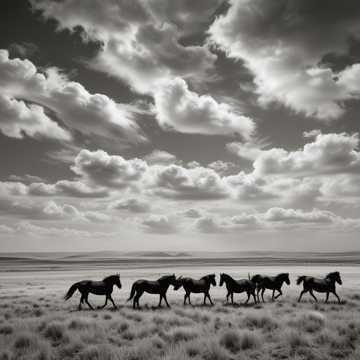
point(283, 44)
point(160, 157)
point(159, 224)
point(185, 111)
point(112, 171)
point(140, 41)
point(91, 114)
point(132, 205)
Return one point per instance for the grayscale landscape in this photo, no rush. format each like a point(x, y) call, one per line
point(36, 322)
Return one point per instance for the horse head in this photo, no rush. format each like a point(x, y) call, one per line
point(285, 277)
point(335, 276)
point(222, 279)
point(178, 283)
point(256, 278)
point(113, 280)
point(212, 279)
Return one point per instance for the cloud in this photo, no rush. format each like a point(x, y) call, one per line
point(69, 101)
point(113, 171)
point(185, 111)
point(159, 224)
point(278, 219)
point(23, 50)
point(328, 153)
point(132, 205)
point(160, 157)
point(192, 213)
point(18, 119)
point(283, 44)
point(224, 168)
point(199, 183)
point(140, 41)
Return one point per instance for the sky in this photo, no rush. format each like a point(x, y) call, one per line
point(179, 125)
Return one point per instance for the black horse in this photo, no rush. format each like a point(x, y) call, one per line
point(238, 286)
point(270, 282)
point(103, 287)
point(159, 286)
point(325, 285)
point(196, 286)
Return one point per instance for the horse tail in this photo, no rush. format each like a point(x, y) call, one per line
point(249, 276)
point(132, 293)
point(300, 279)
point(71, 291)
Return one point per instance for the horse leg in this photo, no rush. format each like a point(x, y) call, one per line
point(106, 300)
point(337, 296)
point(81, 301)
point(279, 294)
point(227, 297)
point(161, 297)
point(312, 294)
point(253, 294)
point(111, 299)
point(272, 297)
point(87, 301)
point(301, 294)
point(262, 294)
point(138, 295)
point(248, 297)
point(134, 301)
point(232, 298)
point(167, 304)
point(189, 298)
point(185, 296)
point(204, 299)
point(327, 297)
point(208, 295)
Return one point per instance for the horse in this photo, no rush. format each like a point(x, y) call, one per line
point(103, 287)
point(196, 286)
point(238, 286)
point(325, 285)
point(159, 286)
point(270, 282)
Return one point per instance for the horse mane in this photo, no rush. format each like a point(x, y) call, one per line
point(331, 274)
point(110, 277)
point(165, 277)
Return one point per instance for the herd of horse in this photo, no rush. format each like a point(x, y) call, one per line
point(253, 286)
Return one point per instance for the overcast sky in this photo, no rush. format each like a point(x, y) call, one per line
point(179, 125)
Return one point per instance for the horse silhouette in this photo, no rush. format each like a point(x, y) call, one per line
point(159, 286)
point(238, 286)
point(196, 286)
point(325, 285)
point(270, 282)
point(103, 287)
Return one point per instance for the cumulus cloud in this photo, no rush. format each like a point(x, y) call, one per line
point(112, 171)
point(78, 109)
point(179, 108)
point(159, 224)
point(328, 153)
point(276, 218)
point(284, 43)
point(160, 157)
point(18, 119)
point(192, 184)
point(140, 40)
point(132, 205)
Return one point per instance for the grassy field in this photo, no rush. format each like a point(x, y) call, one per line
point(35, 322)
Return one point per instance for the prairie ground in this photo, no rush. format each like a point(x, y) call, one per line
point(36, 323)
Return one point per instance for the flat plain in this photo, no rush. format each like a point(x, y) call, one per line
point(36, 323)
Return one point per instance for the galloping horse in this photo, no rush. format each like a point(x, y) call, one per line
point(270, 282)
point(196, 286)
point(325, 285)
point(159, 286)
point(104, 287)
point(238, 286)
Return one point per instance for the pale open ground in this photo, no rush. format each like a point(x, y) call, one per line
point(35, 322)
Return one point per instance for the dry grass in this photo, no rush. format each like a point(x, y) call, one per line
point(31, 330)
